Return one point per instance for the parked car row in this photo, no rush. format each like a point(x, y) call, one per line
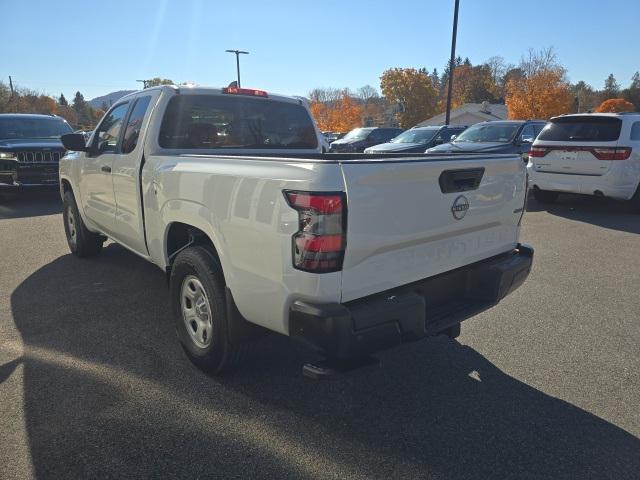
point(508, 136)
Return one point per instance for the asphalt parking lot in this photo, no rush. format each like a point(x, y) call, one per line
point(93, 383)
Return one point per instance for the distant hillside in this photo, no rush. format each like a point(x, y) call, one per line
point(109, 98)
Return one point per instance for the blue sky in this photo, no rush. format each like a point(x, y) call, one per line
point(98, 47)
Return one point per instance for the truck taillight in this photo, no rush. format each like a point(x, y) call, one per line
point(318, 245)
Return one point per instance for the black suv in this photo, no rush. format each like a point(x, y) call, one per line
point(499, 136)
point(417, 139)
point(360, 138)
point(30, 150)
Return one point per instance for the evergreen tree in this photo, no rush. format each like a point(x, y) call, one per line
point(104, 107)
point(83, 109)
point(435, 78)
point(63, 101)
point(632, 94)
point(611, 88)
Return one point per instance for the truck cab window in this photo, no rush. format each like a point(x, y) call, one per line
point(108, 133)
point(235, 122)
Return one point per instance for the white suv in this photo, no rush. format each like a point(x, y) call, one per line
point(593, 154)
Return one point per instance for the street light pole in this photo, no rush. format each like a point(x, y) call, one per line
point(238, 53)
point(451, 60)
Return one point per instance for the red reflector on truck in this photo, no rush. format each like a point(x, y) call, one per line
point(318, 245)
point(245, 91)
point(320, 203)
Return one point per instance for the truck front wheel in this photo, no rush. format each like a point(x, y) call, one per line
point(199, 307)
point(82, 242)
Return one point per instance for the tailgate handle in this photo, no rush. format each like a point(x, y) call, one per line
point(460, 180)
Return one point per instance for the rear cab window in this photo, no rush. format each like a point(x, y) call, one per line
point(582, 129)
point(201, 121)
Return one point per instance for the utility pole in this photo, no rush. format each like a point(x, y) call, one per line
point(451, 60)
point(11, 85)
point(238, 53)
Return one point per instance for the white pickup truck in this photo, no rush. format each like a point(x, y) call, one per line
point(228, 191)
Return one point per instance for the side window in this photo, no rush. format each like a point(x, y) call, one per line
point(375, 136)
point(389, 134)
point(108, 133)
point(537, 128)
point(528, 133)
point(445, 135)
point(635, 131)
point(132, 132)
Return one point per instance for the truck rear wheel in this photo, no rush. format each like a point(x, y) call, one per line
point(545, 196)
point(198, 301)
point(82, 242)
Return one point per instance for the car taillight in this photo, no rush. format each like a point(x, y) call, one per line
point(611, 153)
point(538, 152)
point(318, 245)
point(245, 91)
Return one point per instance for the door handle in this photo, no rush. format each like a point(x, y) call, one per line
point(106, 168)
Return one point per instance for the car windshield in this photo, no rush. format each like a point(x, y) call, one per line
point(33, 127)
point(417, 135)
point(358, 134)
point(489, 133)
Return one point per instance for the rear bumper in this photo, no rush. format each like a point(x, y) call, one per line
point(621, 185)
point(409, 312)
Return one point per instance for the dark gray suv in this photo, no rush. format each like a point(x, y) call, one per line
point(500, 136)
point(360, 138)
point(417, 139)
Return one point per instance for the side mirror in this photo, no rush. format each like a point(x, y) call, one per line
point(75, 142)
point(526, 139)
point(453, 137)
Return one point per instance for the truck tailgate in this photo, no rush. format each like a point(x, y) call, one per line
point(408, 219)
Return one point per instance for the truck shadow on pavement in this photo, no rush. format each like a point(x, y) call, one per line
point(109, 393)
point(31, 203)
point(603, 212)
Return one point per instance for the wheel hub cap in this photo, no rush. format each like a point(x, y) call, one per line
point(196, 311)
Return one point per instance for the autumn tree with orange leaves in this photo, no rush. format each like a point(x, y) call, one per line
point(472, 85)
point(541, 91)
point(615, 105)
point(413, 91)
point(340, 115)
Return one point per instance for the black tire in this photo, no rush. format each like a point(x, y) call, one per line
point(545, 196)
point(82, 242)
point(219, 355)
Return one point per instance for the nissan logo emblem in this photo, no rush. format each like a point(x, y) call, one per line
point(460, 207)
